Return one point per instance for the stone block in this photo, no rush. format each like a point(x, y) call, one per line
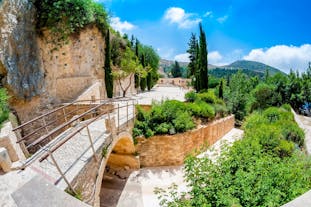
point(5, 161)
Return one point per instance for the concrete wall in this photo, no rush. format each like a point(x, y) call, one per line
point(167, 150)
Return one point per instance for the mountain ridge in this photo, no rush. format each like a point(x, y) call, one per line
point(255, 66)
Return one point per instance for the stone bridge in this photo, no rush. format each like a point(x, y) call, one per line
point(70, 147)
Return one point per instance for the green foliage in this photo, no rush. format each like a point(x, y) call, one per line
point(203, 61)
point(191, 96)
point(107, 67)
point(143, 83)
point(4, 109)
point(262, 169)
point(176, 70)
point(264, 96)
point(183, 122)
point(66, 17)
point(208, 97)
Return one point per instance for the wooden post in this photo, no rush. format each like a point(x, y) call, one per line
point(61, 173)
point(92, 146)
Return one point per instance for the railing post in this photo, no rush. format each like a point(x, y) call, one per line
point(61, 173)
point(65, 115)
point(44, 124)
point(92, 146)
point(118, 116)
point(127, 113)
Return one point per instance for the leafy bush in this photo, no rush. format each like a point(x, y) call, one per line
point(183, 122)
point(4, 109)
point(264, 96)
point(208, 97)
point(191, 96)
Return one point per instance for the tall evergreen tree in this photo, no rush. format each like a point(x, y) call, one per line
point(149, 81)
point(221, 89)
point(107, 67)
point(176, 70)
point(203, 60)
point(143, 81)
point(197, 83)
point(136, 75)
point(192, 51)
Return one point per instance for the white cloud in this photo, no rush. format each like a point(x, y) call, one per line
point(181, 18)
point(214, 57)
point(182, 57)
point(222, 19)
point(208, 14)
point(120, 26)
point(283, 57)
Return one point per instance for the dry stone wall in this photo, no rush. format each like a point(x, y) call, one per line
point(167, 150)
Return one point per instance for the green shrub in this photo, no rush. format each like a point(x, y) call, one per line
point(292, 132)
point(287, 107)
point(183, 122)
point(163, 128)
point(208, 97)
point(285, 148)
point(220, 109)
point(141, 114)
point(149, 133)
point(191, 96)
point(4, 109)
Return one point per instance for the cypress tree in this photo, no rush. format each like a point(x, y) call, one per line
point(221, 89)
point(107, 67)
point(136, 76)
point(197, 83)
point(203, 60)
point(149, 81)
point(143, 81)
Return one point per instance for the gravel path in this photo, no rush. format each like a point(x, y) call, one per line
point(304, 122)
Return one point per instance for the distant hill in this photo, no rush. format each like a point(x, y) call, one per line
point(252, 66)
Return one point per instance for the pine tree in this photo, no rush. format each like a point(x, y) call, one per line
point(203, 60)
point(107, 67)
point(192, 51)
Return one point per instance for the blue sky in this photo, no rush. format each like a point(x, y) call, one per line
point(276, 32)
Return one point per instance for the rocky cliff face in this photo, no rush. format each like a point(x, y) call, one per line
point(20, 67)
point(39, 74)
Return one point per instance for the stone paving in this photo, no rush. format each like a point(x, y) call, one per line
point(161, 93)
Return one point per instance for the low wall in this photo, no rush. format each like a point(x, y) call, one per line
point(167, 150)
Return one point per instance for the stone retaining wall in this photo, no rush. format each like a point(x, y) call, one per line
point(167, 150)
